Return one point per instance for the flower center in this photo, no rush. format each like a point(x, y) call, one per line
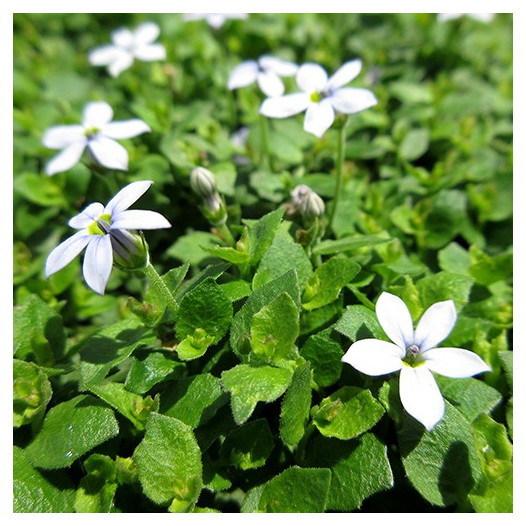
point(315, 96)
point(412, 355)
point(101, 226)
point(90, 133)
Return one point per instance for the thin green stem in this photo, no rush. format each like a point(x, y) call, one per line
point(160, 286)
point(225, 234)
point(340, 157)
point(266, 153)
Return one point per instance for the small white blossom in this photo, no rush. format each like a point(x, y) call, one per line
point(415, 355)
point(127, 46)
point(97, 133)
point(215, 20)
point(321, 97)
point(481, 17)
point(104, 233)
point(266, 71)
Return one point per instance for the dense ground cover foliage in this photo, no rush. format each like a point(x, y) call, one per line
point(203, 371)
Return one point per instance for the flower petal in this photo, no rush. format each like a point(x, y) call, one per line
point(139, 220)
point(121, 63)
point(435, 324)
point(122, 37)
point(285, 106)
point(58, 137)
point(374, 357)
point(243, 75)
point(421, 396)
point(125, 129)
point(67, 158)
point(98, 261)
point(311, 78)
point(319, 118)
point(96, 114)
point(66, 252)
point(270, 84)
point(150, 52)
point(104, 55)
point(146, 33)
point(126, 197)
point(349, 71)
point(91, 213)
point(454, 362)
point(280, 67)
point(352, 100)
point(109, 153)
point(395, 319)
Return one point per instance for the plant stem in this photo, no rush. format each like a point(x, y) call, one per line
point(339, 172)
point(160, 286)
point(265, 154)
point(225, 234)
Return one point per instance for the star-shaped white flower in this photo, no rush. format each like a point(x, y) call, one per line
point(104, 232)
point(266, 71)
point(415, 354)
point(127, 46)
point(321, 97)
point(214, 20)
point(97, 133)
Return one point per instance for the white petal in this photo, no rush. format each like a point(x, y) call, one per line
point(98, 261)
point(66, 252)
point(454, 362)
point(91, 213)
point(126, 197)
point(58, 137)
point(349, 71)
point(66, 159)
point(120, 64)
point(243, 75)
point(125, 129)
point(280, 67)
point(122, 37)
point(435, 325)
point(139, 220)
point(146, 33)
point(421, 396)
point(270, 84)
point(395, 319)
point(285, 106)
point(104, 55)
point(96, 114)
point(319, 118)
point(374, 357)
point(352, 100)
point(109, 153)
point(311, 78)
point(150, 52)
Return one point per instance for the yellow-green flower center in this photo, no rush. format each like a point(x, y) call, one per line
point(97, 227)
point(91, 132)
point(315, 96)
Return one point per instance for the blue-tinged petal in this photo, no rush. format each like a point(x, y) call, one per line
point(125, 129)
point(139, 220)
point(311, 78)
point(280, 67)
point(98, 261)
point(271, 85)
point(67, 158)
point(285, 106)
point(395, 319)
point(374, 357)
point(352, 100)
point(109, 153)
point(91, 213)
point(58, 137)
point(66, 252)
point(319, 118)
point(421, 396)
point(96, 114)
point(243, 75)
point(126, 197)
point(454, 362)
point(435, 324)
point(349, 71)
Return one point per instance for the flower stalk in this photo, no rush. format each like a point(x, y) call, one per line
point(340, 158)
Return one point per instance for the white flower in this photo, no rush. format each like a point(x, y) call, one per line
point(96, 133)
point(215, 20)
point(481, 17)
point(415, 355)
point(103, 231)
point(321, 97)
point(266, 71)
point(127, 46)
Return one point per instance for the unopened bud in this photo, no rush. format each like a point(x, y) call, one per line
point(299, 193)
point(312, 206)
point(203, 182)
point(130, 251)
point(214, 209)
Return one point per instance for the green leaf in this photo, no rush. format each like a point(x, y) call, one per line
point(31, 392)
point(358, 322)
point(486, 269)
point(414, 144)
point(71, 429)
point(97, 488)
point(229, 254)
point(192, 248)
point(248, 446)
point(261, 234)
point(237, 289)
point(325, 284)
point(349, 243)
point(169, 463)
point(296, 490)
point(347, 413)
point(295, 408)
point(43, 191)
point(35, 493)
point(249, 385)
point(506, 358)
point(444, 286)
point(274, 329)
point(455, 259)
point(359, 469)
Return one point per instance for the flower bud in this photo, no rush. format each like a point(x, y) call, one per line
point(312, 206)
point(214, 209)
point(203, 182)
point(130, 251)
